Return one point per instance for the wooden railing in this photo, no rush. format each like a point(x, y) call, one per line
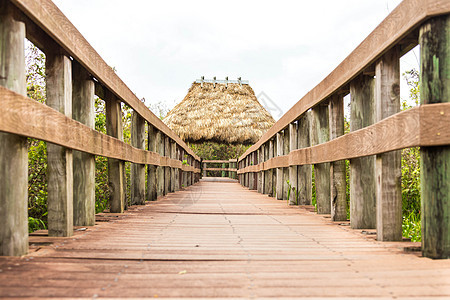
point(75, 73)
point(312, 133)
point(229, 166)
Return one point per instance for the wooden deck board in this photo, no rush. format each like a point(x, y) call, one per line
point(220, 240)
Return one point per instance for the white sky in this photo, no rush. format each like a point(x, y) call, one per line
point(284, 48)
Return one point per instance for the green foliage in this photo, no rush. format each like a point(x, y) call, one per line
point(37, 185)
point(411, 227)
point(37, 150)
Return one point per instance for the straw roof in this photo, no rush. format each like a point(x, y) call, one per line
point(223, 114)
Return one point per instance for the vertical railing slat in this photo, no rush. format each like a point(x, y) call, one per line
point(13, 148)
point(83, 90)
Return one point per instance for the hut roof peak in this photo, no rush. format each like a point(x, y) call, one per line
point(220, 112)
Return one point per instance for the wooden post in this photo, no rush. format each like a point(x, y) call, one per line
point(337, 177)
point(116, 168)
point(321, 134)
point(362, 170)
point(191, 174)
point(435, 161)
point(223, 172)
point(159, 169)
point(279, 180)
point(137, 170)
point(204, 169)
point(83, 163)
point(172, 170)
point(286, 137)
point(178, 176)
point(293, 176)
point(305, 171)
point(151, 169)
point(166, 169)
point(271, 176)
point(60, 170)
point(13, 148)
point(388, 165)
point(261, 174)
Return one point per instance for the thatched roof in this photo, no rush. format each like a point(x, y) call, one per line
point(223, 114)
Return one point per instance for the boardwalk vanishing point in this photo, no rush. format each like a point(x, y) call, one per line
point(217, 239)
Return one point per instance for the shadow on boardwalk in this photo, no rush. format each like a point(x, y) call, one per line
point(217, 239)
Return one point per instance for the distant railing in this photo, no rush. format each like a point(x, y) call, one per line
point(228, 167)
point(311, 133)
point(74, 74)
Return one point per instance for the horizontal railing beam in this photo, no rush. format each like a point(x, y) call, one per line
point(52, 126)
point(47, 16)
point(426, 125)
point(404, 19)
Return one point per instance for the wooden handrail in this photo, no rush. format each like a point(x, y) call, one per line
point(404, 19)
point(47, 16)
point(379, 138)
point(49, 125)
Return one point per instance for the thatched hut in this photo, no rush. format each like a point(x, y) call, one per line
point(220, 111)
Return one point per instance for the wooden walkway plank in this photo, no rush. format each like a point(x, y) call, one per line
point(217, 239)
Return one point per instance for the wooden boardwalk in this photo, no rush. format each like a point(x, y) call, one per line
point(220, 240)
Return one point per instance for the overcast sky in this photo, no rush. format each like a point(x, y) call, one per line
point(284, 48)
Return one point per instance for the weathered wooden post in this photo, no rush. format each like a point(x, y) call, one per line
point(362, 170)
point(286, 143)
point(204, 169)
point(137, 170)
point(58, 70)
point(435, 161)
point(304, 171)
point(151, 169)
point(261, 173)
point(13, 148)
point(172, 145)
point(178, 176)
point(159, 169)
point(388, 165)
point(272, 175)
point(223, 172)
point(338, 182)
point(166, 169)
point(83, 91)
point(293, 176)
point(321, 134)
point(279, 180)
point(116, 168)
point(250, 174)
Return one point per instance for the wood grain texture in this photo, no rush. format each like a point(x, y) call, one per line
point(83, 163)
point(293, 176)
point(167, 179)
point(407, 16)
point(320, 133)
point(116, 167)
point(217, 239)
point(137, 170)
point(304, 171)
point(58, 71)
point(420, 126)
point(388, 165)
point(338, 174)
point(13, 148)
point(435, 161)
point(279, 172)
point(286, 169)
point(52, 126)
point(51, 20)
point(151, 169)
point(362, 170)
